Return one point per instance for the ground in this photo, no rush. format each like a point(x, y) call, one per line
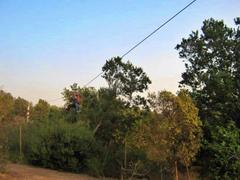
point(24, 172)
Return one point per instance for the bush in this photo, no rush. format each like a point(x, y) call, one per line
point(13, 143)
point(59, 145)
point(222, 153)
point(3, 149)
point(95, 166)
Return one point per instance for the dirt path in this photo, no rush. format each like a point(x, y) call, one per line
point(24, 172)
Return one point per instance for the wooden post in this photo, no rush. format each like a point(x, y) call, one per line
point(20, 142)
point(123, 170)
point(121, 176)
point(188, 175)
point(161, 176)
point(176, 170)
point(125, 154)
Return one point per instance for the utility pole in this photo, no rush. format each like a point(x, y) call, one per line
point(20, 131)
point(28, 112)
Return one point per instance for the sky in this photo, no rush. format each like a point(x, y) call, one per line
point(46, 46)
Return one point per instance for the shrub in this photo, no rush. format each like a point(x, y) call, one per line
point(3, 149)
point(13, 143)
point(222, 153)
point(59, 145)
point(95, 166)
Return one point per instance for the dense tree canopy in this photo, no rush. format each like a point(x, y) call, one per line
point(21, 107)
point(222, 153)
point(6, 105)
point(212, 60)
point(126, 79)
point(3, 148)
point(40, 111)
point(173, 132)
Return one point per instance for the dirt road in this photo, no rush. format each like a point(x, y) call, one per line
point(24, 172)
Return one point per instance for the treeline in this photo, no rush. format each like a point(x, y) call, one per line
point(119, 132)
point(111, 135)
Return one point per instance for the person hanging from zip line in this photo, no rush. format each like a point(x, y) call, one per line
point(75, 101)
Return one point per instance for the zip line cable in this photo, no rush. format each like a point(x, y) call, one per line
point(140, 42)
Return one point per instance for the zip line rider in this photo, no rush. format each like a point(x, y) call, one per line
point(77, 100)
point(74, 102)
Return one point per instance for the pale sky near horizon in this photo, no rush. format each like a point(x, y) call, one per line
point(48, 45)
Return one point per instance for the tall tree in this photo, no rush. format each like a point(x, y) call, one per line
point(173, 132)
point(212, 62)
point(40, 111)
point(126, 80)
point(6, 106)
point(20, 107)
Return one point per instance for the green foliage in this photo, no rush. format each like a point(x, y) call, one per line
point(212, 61)
point(95, 166)
point(173, 130)
point(189, 140)
point(3, 148)
point(40, 111)
point(55, 113)
point(223, 153)
point(110, 120)
point(126, 79)
point(6, 106)
point(126, 83)
point(213, 70)
point(102, 137)
point(59, 145)
point(20, 107)
point(12, 132)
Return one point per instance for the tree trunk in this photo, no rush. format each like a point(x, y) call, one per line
point(125, 154)
point(188, 175)
point(20, 142)
point(121, 175)
point(161, 175)
point(97, 127)
point(176, 170)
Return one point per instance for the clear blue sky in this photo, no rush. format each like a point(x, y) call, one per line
point(46, 45)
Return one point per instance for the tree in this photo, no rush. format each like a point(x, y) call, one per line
point(6, 106)
point(222, 153)
point(212, 61)
point(173, 132)
point(40, 111)
point(189, 140)
point(3, 148)
point(55, 113)
point(20, 107)
point(126, 80)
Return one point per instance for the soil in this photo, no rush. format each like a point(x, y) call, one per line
point(25, 172)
